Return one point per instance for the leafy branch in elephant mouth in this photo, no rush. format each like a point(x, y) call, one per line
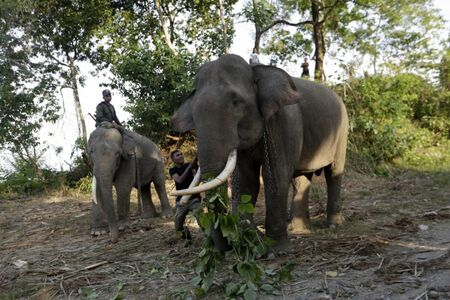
point(246, 243)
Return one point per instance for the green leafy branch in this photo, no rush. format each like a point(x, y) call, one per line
point(247, 245)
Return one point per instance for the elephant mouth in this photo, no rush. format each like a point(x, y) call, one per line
point(194, 188)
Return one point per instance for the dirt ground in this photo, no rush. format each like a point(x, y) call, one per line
point(395, 244)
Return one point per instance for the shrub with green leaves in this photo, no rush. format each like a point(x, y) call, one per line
point(247, 245)
point(388, 114)
point(25, 181)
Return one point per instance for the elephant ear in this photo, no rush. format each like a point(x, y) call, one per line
point(129, 146)
point(275, 90)
point(182, 120)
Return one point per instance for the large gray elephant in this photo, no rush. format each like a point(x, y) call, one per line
point(126, 160)
point(286, 126)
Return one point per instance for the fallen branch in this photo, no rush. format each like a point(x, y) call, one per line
point(95, 265)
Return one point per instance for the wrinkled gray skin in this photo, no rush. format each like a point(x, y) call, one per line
point(116, 162)
point(232, 106)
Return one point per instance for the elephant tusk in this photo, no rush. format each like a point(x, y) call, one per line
point(94, 189)
point(220, 179)
point(193, 184)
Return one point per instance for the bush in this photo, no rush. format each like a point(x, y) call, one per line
point(26, 182)
point(390, 115)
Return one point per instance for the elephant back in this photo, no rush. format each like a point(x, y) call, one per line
point(144, 147)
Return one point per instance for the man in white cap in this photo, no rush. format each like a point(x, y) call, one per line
point(105, 111)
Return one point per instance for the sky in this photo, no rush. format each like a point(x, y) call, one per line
point(64, 132)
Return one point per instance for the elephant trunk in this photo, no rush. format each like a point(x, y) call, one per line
point(104, 184)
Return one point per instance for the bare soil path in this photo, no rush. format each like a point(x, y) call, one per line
point(395, 244)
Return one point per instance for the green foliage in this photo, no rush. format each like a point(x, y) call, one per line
point(80, 167)
point(154, 82)
point(391, 115)
point(154, 69)
point(84, 185)
point(246, 244)
point(27, 179)
point(262, 14)
point(289, 46)
point(444, 70)
point(63, 30)
point(398, 35)
point(26, 95)
point(433, 157)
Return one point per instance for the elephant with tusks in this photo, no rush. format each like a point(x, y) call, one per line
point(257, 117)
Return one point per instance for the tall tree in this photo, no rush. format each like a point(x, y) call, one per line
point(154, 49)
point(223, 23)
point(397, 35)
point(61, 33)
point(309, 17)
point(26, 90)
point(386, 29)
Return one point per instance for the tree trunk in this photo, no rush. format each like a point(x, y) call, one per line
point(165, 29)
point(79, 112)
point(319, 41)
point(224, 27)
point(258, 30)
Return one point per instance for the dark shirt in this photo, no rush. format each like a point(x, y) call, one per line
point(187, 181)
point(105, 112)
point(305, 71)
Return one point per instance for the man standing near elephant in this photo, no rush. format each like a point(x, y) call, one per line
point(183, 174)
point(305, 68)
point(105, 111)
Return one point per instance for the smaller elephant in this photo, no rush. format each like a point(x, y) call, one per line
point(125, 160)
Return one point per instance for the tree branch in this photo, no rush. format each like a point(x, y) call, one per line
point(49, 54)
point(284, 22)
point(329, 9)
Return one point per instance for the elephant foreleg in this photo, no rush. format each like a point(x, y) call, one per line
point(300, 221)
point(276, 215)
point(334, 203)
point(246, 180)
point(148, 209)
point(99, 226)
point(123, 206)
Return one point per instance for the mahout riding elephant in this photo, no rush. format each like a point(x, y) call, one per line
point(124, 160)
point(286, 127)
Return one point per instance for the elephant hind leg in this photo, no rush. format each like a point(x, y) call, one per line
point(160, 187)
point(334, 203)
point(300, 218)
point(123, 206)
point(148, 209)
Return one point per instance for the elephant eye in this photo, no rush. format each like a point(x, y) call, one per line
point(236, 100)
